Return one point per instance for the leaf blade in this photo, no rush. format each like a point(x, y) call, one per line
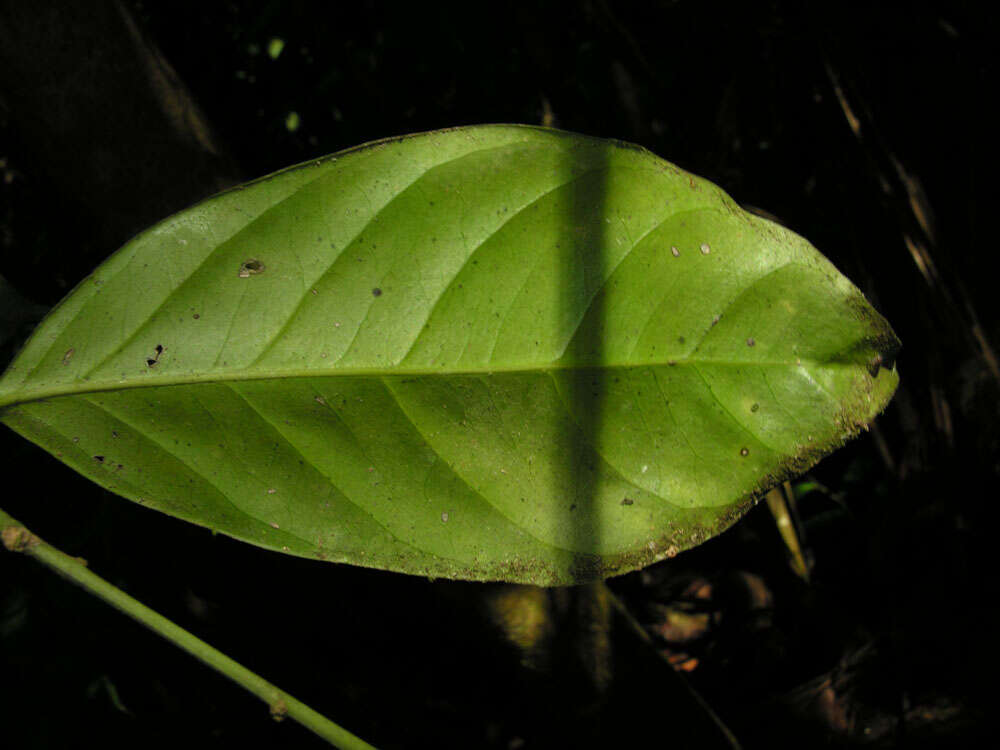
point(559, 357)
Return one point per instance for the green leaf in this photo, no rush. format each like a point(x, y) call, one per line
point(497, 352)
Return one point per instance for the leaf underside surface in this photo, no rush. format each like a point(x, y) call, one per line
point(491, 353)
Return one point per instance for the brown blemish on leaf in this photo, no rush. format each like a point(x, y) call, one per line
point(250, 267)
point(376, 292)
point(68, 355)
point(627, 501)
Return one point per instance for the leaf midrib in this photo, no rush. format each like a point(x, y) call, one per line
point(15, 398)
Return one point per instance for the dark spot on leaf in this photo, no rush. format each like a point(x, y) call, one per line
point(750, 341)
point(376, 292)
point(156, 357)
point(680, 339)
point(627, 501)
point(250, 267)
point(744, 451)
point(99, 459)
point(68, 355)
point(755, 407)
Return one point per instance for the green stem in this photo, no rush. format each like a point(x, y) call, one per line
point(778, 500)
point(17, 538)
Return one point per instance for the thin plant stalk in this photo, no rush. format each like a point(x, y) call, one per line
point(17, 538)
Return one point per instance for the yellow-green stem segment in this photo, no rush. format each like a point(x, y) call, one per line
point(17, 538)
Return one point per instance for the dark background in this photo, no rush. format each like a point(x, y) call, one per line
point(869, 129)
